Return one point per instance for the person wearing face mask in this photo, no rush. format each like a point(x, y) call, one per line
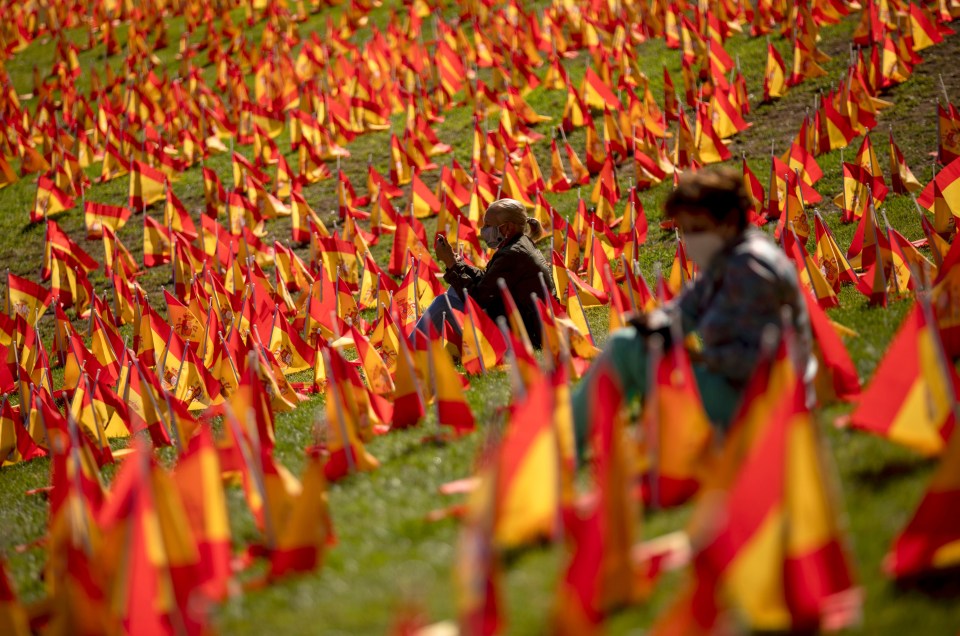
point(745, 287)
point(508, 230)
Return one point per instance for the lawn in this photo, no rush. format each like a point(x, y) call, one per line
point(388, 557)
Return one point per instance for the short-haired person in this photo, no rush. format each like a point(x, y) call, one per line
point(508, 229)
point(746, 284)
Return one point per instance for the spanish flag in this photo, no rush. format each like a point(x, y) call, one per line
point(79, 604)
point(96, 215)
point(147, 185)
point(291, 352)
point(425, 203)
point(92, 421)
point(832, 262)
point(347, 451)
point(144, 517)
point(600, 575)
point(834, 129)
point(375, 370)
point(198, 481)
point(774, 77)
point(306, 528)
point(910, 398)
point(558, 181)
point(452, 407)
point(16, 444)
point(26, 298)
point(774, 552)
point(948, 181)
point(931, 539)
point(408, 399)
point(948, 130)
point(527, 477)
point(13, 617)
point(483, 344)
point(837, 377)
point(156, 243)
point(7, 175)
point(679, 430)
point(597, 94)
point(50, 200)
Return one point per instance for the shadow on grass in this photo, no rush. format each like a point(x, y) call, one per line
point(941, 585)
point(891, 470)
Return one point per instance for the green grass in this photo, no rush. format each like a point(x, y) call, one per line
point(387, 554)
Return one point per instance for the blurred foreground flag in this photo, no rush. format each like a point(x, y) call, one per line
point(773, 552)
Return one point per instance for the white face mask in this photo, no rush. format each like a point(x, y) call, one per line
point(702, 246)
point(491, 235)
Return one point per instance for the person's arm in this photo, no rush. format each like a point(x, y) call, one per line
point(462, 277)
point(625, 359)
point(482, 285)
point(686, 308)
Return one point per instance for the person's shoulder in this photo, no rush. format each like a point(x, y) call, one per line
point(522, 246)
point(758, 253)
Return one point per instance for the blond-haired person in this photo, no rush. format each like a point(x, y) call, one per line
point(508, 230)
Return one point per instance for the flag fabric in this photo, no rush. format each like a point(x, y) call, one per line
point(832, 262)
point(477, 569)
point(50, 200)
point(483, 345)
point(948, 181)
point(596, 93)
point(774, 553)
point(408, 398)
point(156, 243)
point(305, 529)
point(910, 397)
point(526, 476)
point(948, 129)
point(836, 374)
point(374, 369)
point(857, 183)
point(26, 298)
point(147, 185)
point(425, 203)
point(679, 430)
point(774, 78)
point(347, 451)
point(96, 215)
point(601, 575)
point(452, 407)
point(901, 177)
point(931, 539)
point(13, 616)
point(58, 244)
point(145, 516)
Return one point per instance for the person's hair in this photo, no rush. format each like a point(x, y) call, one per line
point(719, 193)
point(512, 211)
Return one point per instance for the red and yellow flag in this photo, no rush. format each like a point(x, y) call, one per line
point(910, 398)
point(931, 539)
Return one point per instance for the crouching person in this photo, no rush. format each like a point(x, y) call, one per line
point(746, 284)
point(508, 229)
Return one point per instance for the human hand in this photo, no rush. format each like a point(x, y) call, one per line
point(694, 353)
point(444, 251)
point(654, 322)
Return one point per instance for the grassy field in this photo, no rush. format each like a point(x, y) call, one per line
point(388, 556)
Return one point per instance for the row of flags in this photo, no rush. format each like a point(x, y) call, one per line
point(235, 336)
point(767, 533)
